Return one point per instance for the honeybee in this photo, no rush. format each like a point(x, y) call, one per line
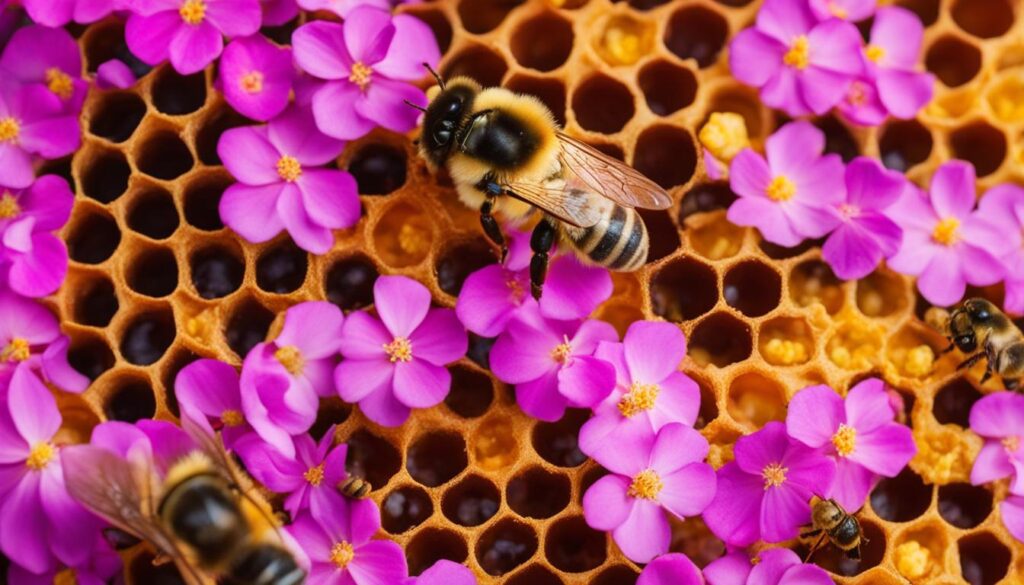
point(354, 487)
point(979, 326)
point(198, 516)
point(505, 153)
point(830, 520)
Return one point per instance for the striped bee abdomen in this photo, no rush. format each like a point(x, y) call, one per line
point(618, 242)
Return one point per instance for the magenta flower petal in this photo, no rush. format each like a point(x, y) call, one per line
point(335, 113)
point(320, 50)
point(278, 12)
point(952, 189)
point(900, 33)
point(440, 338)
point(678, 401)
point(385, 104)
point(444, 572)
point(749, 174)
point(252, 211)
point(754, 57)
point(70, 524)
point(653, 350)
point(905, 93)
point(363, 337)
point(36, 417)
point(853, 483)
point(383, 408)
point(732, 569)
point(357, 378)
point(814, 414)
point(645, 533)
point(308, 234)
point(573, 290)
point(540, 399)
point(413, 45)
point(401, 302)
point(235, 18)
point(998, 415)
point(419, 384)
point(487, 303)
point(256, 77)
point(58, 371)
point(993, 463)
point(368, 33)
point(34, 53)
point(149, 36)
point(23, 529)
point(605, 504)
point(1012, 511)
point(671, 569)
point(249, 156)
point(380, 561)
point(852, 10)
point(756, 451)
point(780, 566)
point(785, 19)
point(314, 328)
point(586, 381)
point(783, 512)
point(689, 490)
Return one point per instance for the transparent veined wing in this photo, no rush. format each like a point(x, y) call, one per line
point(611, 177)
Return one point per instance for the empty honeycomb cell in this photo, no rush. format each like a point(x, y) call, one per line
point(378, 168)
point(98, 303)
point(753, 288)
point(349, 282)
point(92, 237)
point(881, 294)
point(437, 22)
point(872, 550)
point(102, 42)
point(756, 399)
point(534, 575)
point(720, 339)
point(60, 167)
point(476, 62)
point(620, 315)
point(148, 336)
point(479, 349)
point(549, 91)
point(104, 174)
point(981, 145)
point(705, 197)
point(90, 355)
point(904, 143)
point(202, 201)
point(953, 60)
point(602, 104)
point(786, 341)
point(556, 441)
point(926, 10)
point(132, 399)
point(984, 559)
point(405, 508)
point(216, 271)
point(403, 235)
point(78, 419)
point(667, 88)
point(838, 139)
point(145, 569)
point(372, 458)
point(153, 214)
point(964, 505)
point(282, 269)
point(953, 403)
point(776, 252)
point(616, 575)
point(543, 42)
point(175, 364)
point(175, 94)
point(116, 116)
point(495, 445)
point(248, 325)
point(624, 39)
point(666, 154)
point(212, 126)
point(471, 393)
point(662, 232)
point(505, 545)
point(460, 259)
point(814, 282)
point(481, 16)
point(697, 33)
point(983, 18)
point(471, 502)
point(901, 498)
point(693, 538)
point(163, 155)
point(431, 545)
point(436, 457)
point(708, 401)
point(152, 272)
point(537, 493)
point(572, 546)
point(684, 289)
point(331, 413)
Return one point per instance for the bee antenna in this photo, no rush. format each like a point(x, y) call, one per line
point(412, 105)
point(436, 75)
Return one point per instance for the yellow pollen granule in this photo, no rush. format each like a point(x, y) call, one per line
point(874, 53)
point(798, 55)
point(17, 350)
point(360, 75)
point(289, 169)
point(912, 560)
point(9, 206)
point(774, 475)
point(252, 82)
point(845, 440)
point(291, 359)
point(920, 361)
point(725, 135)
point(342, 554)
point(646, 485)
point(59, 83)
point(231, 418)
point(515, 288)
point(193, 11)
point(1011, 444)
point(640, 398)
point(9, 129)
point(946, 231)
point(314, 475)
point(399, 350)
point(40, 456)
point(562, 351)
point(784, 352)
point(781, 189)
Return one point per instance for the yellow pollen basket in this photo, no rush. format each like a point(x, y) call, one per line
point(252, 82)
point(774, 475)
point(845, 440)
point(289, 169)
point(781, 189)
point(9, 129)
point(725, 135)
point(342, 554)
point(40, 456)
point(291, 359)
point(399, 350)
point(640, 398)
point(646, 485)
point(232, 418)
point(193, 11)
point(314, 475)
point(562, 351)
point(59, 83)
point(874, 53)
point(946, 232)
point(798, 55)
point(9, 207)
point(360, 75)
point(17, 350)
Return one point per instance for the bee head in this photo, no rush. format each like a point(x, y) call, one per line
point(980, 310)
point(445, 116)
point(961, 331)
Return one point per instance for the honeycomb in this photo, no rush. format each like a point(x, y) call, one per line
point(156, 281)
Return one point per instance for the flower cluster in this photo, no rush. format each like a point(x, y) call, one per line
point(999, 420)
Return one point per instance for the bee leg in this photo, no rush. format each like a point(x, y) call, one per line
point(969, 362)
point(491, 227)
point(951, 347)
point(854, 553)
point(814, 549)
point(541, 240)
point(810, 533)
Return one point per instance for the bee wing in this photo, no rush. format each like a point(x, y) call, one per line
point(611, 177)
point(572, 203)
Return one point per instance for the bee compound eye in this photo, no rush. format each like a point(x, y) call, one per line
point(442, 136)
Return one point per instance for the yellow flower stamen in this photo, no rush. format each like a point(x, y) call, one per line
point(9, 207)
point(515, 288)
point(289, 169)
point(40, 456)
point(946, 231)
point(314, 475)
point(845, 440)
point(781, 189)
point(725, 135)
point(1011, 444)
point(360, 75)
point(9, 129)
point(774, 475)
point(798, 55)
point(640, 398)
point(59, 83)
point(874, 53)
point(562, 351)
point(342, 554)
point(291, 359)
point(857, 95)
point(252, 82)
point(399, 350)
point(17, 350)
point(838, 11)
point(646, 485)
point(232, 418)
point(193, 11)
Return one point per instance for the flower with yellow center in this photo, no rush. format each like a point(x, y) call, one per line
point(59, 83)
point(781, 189)
point(40, 456)
point(646, 485)
point(837, 11)
point(360, 75)
point(231, 418)
point(874, 53)
point(314, 475)
point(9, 207)
point(799, 54)
point(291, 358)
point(562, 351)
point(342, 554)
point(17, 350)
point(725, 135)
point(774, 475)
point(9, 129)
point(399, 350)
point(289, 168)
point(640, 398)
point(252, 82)
point(193, 11)
point(845, 440)
point(946, 231)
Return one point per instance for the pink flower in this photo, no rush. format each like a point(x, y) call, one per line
point(256, 77)
point(282, 380)
point(189, 32)
point(397, 362)
point(651, 475)
point(33, 261)
point(892, 83)
point(774, 566)
point(865, 235)
point(789, 196)
point(1012, 511)
point(209, 394)
point(30, 339)
point(800, 65)
point(1004, 206)
point(278, 12)
point(33, 121)
point(49, 58)
point(650, 391)
point(945, 243)
point(671, 569)
point(99, 568)
point(343, 7)
point(999, 419)
point(766, 492)
point(340, 550)
point(55, 13)
point(852, 10)
point(114, 74)
point(443, 572)
point(366, 63)
point(279, 185)
point(859, 434)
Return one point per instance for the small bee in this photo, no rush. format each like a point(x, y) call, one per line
point(354, 487)
point(198, 516)
point(979, 329)
point(505, 153)
point(830, 520)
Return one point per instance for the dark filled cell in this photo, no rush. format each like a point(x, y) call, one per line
point(667, 88)
point(471, 502)
point(282, 269)
point(705, 197)
point(436, 458)
point(723, 338)
point(349, 283)
point(616, 575)
point(153, 273)
point(216, 273)
point(177, 94)
point(247, 327)
point(556, 442)
point(953, 403)
point(378, 169)
point(902, 498)
point(543, 42)
point(478, 63)
point(132, 401)
point(153, 214)
point(105, 176)
point(405, 508)
point(697, 33)
point(431, 545)
point(480, 16)
point(202, 201)
point(602, 104)
point(662, 232)
point(471, 392)
point(164, 156)
point(90, 356)
point(964, 505)
point(537, 493)
point(574, 547)
point(549, 91)
point(117, 116)
point(148, 337)
point(683, 290)
point(505, 546)
point(98, 305)
point(753, 288)
point(984, 559)
point(461, 260)
point(953, 60)
point(372, 458)
point(904, 143)
point(666, 154)
point(93, 239)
